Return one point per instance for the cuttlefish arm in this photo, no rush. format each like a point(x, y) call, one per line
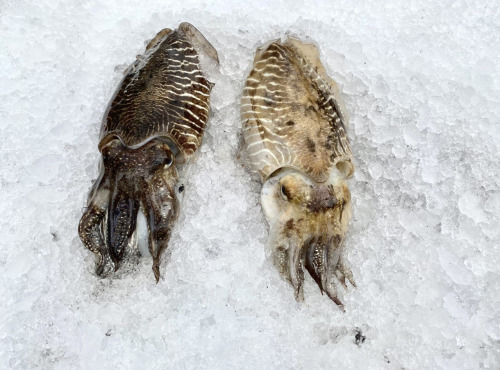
point(308, 223)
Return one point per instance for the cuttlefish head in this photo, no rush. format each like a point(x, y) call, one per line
point(308, 223)
point(131, 179)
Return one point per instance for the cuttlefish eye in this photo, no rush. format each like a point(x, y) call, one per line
point(160, 159)
point(284, 193)
point(112, 150)
point(166, 161)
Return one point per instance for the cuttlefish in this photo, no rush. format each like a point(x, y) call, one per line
point(295, 141)
point(153, 124)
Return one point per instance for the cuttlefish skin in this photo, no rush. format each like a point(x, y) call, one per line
point(154, 122)
point(294, 129)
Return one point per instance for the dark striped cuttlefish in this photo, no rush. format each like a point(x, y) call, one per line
point(295, 141)
point(154, 122)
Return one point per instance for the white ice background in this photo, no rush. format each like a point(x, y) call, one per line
point(421, 83)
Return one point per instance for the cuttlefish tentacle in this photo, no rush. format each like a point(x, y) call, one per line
point(344, 269)
point(308, 227)
point(319, 252)
point(295, 256)
point(316, 260)
point(122, 216)
point(161, 209)
point(90, 227)
point(131, 177)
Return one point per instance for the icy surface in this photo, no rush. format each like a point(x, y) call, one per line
point(421, 83)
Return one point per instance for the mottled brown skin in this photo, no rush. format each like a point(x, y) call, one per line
point(155, 121)
point(291, 114)
point(294, 128)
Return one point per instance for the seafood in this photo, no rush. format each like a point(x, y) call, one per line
point(294, 130)
point(154, 123)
